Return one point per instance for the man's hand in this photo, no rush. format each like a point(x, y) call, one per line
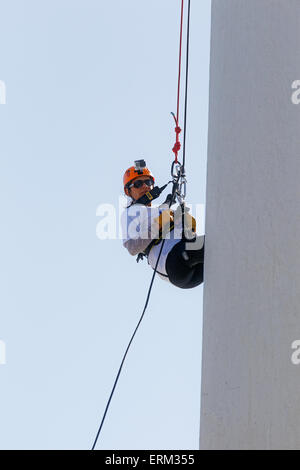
point(164, 220)
point(189, 220)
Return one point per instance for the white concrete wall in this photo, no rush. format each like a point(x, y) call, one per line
point(250, 389)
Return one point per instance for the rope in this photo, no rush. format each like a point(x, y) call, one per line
point(176, 147)
point(129, 344)
point(124, 357)
point(185, 109)
point(179, 67)
point(175, 185)
point(186, 81)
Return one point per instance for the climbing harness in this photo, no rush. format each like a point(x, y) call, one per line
point(178, 192)
point(154, 242)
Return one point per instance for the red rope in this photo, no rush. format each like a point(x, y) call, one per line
point(177, 145)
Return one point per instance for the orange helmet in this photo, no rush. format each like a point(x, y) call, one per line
point(135, 171)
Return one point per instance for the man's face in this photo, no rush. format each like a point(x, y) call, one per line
point(136, 193)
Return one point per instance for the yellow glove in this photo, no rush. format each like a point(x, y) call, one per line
point(164, 220)
point(189, 220)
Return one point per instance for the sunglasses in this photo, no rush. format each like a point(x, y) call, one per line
point(139, 183)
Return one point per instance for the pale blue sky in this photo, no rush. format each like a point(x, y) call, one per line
point(90, 86)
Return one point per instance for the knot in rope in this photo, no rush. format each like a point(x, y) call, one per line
point(177, 144)
point(176, 148)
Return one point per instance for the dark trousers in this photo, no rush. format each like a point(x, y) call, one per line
point(184, 266)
